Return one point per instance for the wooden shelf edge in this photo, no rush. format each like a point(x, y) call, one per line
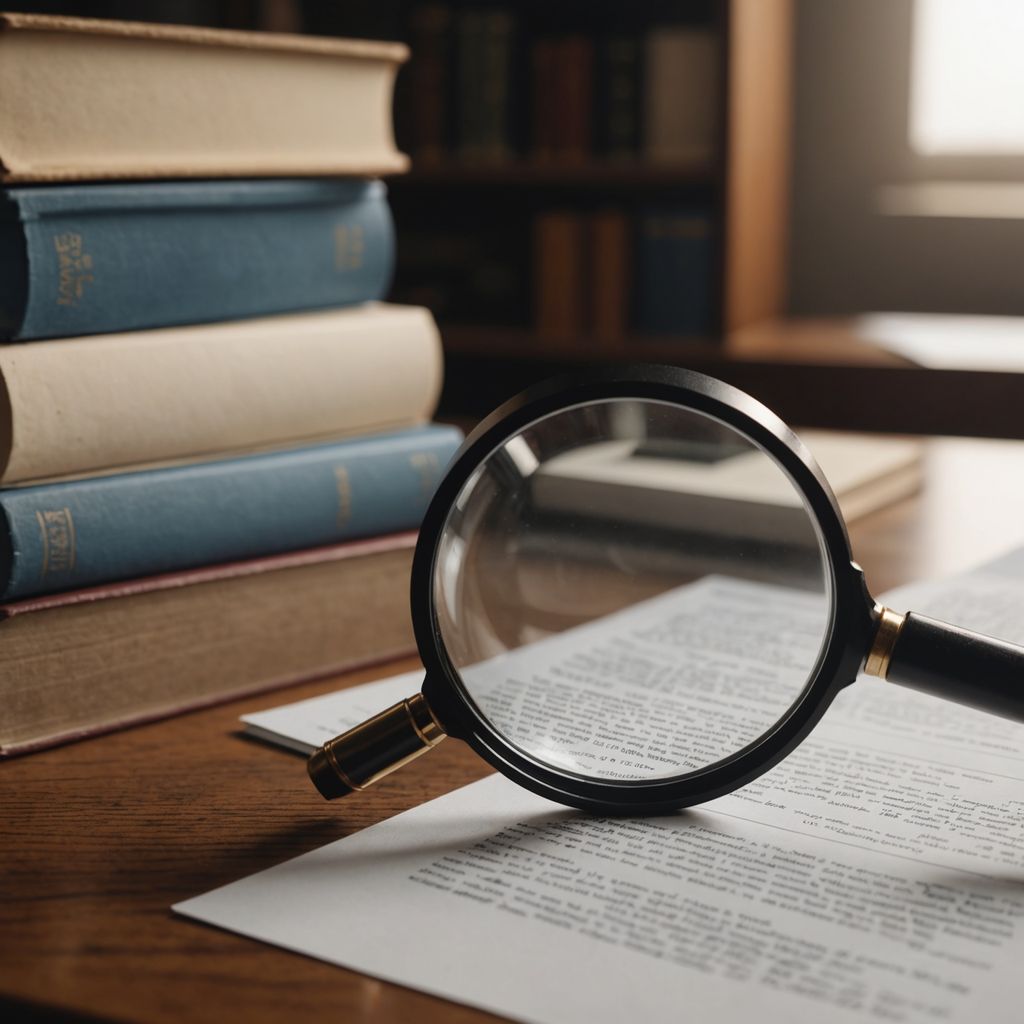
point(815, 373)
point(587, 172)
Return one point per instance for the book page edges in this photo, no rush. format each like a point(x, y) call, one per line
point(272, 167)
point(18, 748)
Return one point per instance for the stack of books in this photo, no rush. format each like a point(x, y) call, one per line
point(214, 438)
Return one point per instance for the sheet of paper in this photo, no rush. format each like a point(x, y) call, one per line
point(306, 724)
point(561, 696)
point(876, 874)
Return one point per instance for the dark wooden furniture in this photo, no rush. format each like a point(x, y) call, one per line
point(814, 372)
point(101, 837)
point(454, 200)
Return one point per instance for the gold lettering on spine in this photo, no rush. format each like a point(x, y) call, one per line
point(344, 487)
point(57, 528)
point(349, 247)
point(74, 268)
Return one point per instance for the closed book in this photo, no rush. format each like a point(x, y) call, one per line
point(681, 94)
point(93, 660)
point(84, 259)
point(618, 108)
point(674, 273)
point(485, 49)
point(544, 75)
point(575, 98)
point(610, 254)
point(77, 406)
point(91, 99)
point(559, 276)
point(67, 535)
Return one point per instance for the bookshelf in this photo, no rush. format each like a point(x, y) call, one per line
point(590, 181)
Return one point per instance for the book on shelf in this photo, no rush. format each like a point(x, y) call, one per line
point(681, 101)
point(81, 532)
point(611, 264)
point(90, 99)
point(559, 274)
point(85, 259)
point(89, 661)
point(484, 77)
point(674, 272)
point(562, 80)
point(572, 98)
point(618, 81)
point(630, 86)
point(83, 406)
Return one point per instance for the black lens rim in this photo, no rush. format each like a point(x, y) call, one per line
point(838, 665)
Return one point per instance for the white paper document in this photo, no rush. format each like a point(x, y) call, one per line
point(307, 724)
point(877, 874)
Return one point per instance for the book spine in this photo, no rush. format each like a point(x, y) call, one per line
point(496, 85)
point(559, 276)
point(472, 126)
point(610, 257)
point(544, 104)
point(79, 533)
point(576, 89)
point(681, 102)
point(674, 273)
point(620, 82)
point(82, 406)
point(94, 271)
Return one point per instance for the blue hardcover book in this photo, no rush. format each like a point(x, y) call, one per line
point(87, 259)
point(80, 532)
point(674, 273)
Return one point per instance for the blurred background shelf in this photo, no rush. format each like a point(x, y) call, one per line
point(815, 372)
point(587, 179)
point(538, 174)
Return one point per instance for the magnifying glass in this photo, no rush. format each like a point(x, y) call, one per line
point(633, 591)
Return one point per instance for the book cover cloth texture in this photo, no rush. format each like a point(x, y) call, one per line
point(89, 99)
point(86, 259)
point(88, 661)
point(75, 534)
point(77, 406)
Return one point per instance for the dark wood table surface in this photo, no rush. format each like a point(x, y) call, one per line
point(100, 838)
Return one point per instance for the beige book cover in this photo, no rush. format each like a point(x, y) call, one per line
point(86, 98)
point(71, 406)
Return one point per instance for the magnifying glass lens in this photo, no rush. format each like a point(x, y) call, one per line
point(631, 590)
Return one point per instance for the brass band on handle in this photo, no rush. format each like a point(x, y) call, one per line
point(889, 625)
point(358, 758)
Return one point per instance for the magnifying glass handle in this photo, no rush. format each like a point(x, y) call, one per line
point(949, 662)
point(358, 758)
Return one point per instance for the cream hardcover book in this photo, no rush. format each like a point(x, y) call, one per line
point(85, 98)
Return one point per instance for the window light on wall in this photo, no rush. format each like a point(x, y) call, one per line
point(967, 78)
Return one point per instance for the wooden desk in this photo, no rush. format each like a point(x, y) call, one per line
point(101, 837)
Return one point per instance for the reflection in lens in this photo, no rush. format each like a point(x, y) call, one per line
point(631, 590)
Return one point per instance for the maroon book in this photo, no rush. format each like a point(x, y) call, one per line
point(102, 658)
